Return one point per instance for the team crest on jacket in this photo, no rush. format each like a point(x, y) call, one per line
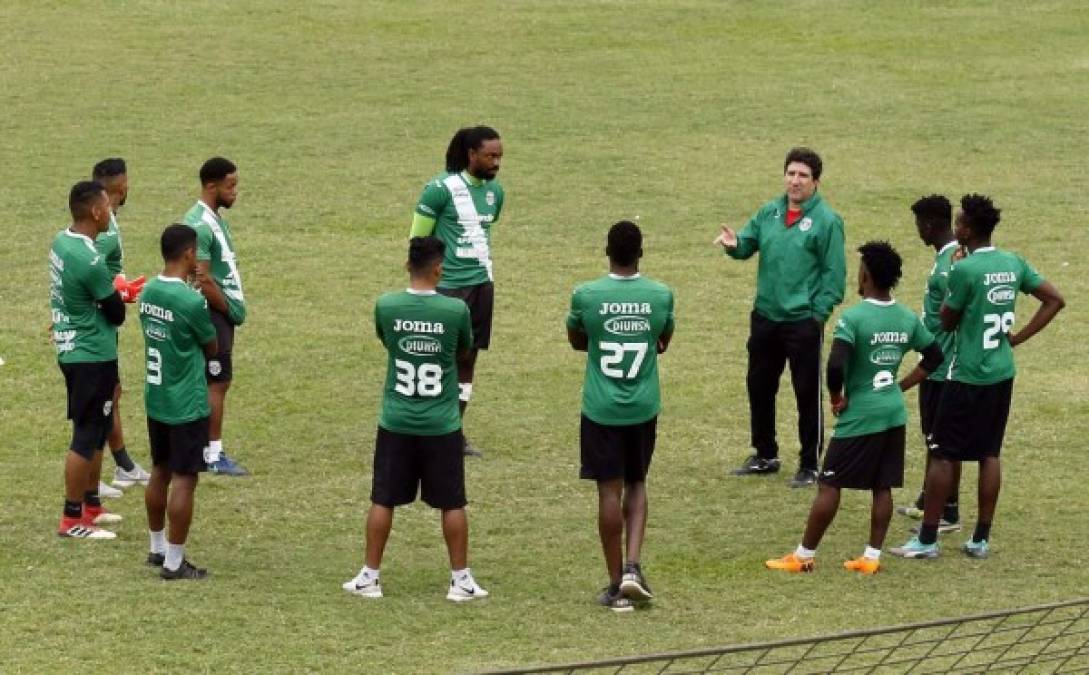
point(805, 224)
point(489, 197)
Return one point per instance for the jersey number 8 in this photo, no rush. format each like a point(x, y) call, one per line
point(424, 381)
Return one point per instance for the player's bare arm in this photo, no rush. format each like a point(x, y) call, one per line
point(580, 342)
point(836, 369)
point(210, 289)
point(663, 342)
point(950, 318)
point(1051, 303)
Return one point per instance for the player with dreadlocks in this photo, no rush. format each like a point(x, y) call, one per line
point(459, 207)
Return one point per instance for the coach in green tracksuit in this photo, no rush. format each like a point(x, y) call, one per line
point(799, 281)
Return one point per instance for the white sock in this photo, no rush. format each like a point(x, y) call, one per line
point(460, 575)
point(368, 573)
point(872, 553)
point(158, 541)
point(175, 553)
point(803, 552)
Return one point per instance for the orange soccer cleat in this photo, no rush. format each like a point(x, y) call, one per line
point(791, 562)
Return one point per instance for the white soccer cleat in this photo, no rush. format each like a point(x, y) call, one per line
point(364, 587)
point(124, 479)
point(465, 589)
point(81, 531)
point(107, 491)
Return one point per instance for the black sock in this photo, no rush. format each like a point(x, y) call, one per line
point(983, 531)
point(614, 589)
point(952, 512)
point(90, 498)
point(928, 534)
point(72, 509)
point(919, 501)
point(122, 459)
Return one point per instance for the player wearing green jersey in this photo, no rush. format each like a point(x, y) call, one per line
point(419, 443)
point(800, 279)
point(86, 310)
point(178, 335)
point(972, 415)
point(623, 321)
point(867, 448)
point(933, 222)
point(460, 206)
point(113, 175)
point(221, 283)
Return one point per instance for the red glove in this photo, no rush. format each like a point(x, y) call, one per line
point(129, 290)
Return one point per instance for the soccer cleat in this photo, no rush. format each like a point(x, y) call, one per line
point(74, 528)
point(185, 571)
point(863, 565)
point(124, 479)
point(804, 478)
point(976, 549)
point(633, 585)
point(756, 465)
point(910, 511)
point(944, 527)
point(465, 589)
point(364, 587)
point(225, 466)
point(614, 600)
point(791, 562)
point(155, 559)
point(915, 549)
point(107, 491)
point(99, 515)
point(470, 450)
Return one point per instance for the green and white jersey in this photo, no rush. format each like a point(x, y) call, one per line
point(464, 209)
point(109, 245)
point(176, 325)
point(79, 280)
point(623, 317)
point(423, 332)
point(983, 287)
point(936, 288)
point(880, 333)
point(215, 245)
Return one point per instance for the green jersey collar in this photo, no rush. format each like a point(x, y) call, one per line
point(807, 206)
point(413, 291)
point(621, 277)
point(173, 280)
point(471, 179)
point(880, 303)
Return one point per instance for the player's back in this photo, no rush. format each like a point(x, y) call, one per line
point(623, 317)
point(423, 332)
point(79, 278)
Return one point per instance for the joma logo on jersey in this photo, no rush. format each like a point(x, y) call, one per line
point(419, 345)
point(999, 278)
point(156, 311)
point(625, 308)
point(435, 327)
point(886, 356)
point(1001, 295)
point(889, 336)
point(627, 325)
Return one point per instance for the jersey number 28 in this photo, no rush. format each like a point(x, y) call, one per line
point(996, 323)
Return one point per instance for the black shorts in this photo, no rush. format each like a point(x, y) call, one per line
point(220, 368)
point(930, 396)
point(405, 463)
point(867, 462)
point(90, 389)
point(612, 452)
point(971, 421)
point(480, 299)
point(178, 447)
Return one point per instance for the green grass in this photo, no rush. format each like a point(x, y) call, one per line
point(676, 113)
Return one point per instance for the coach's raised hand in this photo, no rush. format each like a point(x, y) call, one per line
point(727, 238)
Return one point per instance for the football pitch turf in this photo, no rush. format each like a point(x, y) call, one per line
point(676, 114)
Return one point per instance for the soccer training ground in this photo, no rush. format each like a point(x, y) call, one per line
point(677, 114)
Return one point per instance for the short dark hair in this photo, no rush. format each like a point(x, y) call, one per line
point(980, 214)
point(423, 252)
point(624, 245)
point(882, 262)
point(176, 240)
point(466, 139)
point(216, 169)
point(933, 210)
point(110, 167)
point(83, 196)
point(806, 156)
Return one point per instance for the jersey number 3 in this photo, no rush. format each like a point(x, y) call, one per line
point(424, 381)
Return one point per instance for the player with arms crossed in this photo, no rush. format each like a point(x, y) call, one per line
point(933, 222)
point(460, 206)
point(623, 322)
point(113, 175)
point(975, 405)
point(867, 448)
point(178, 335)
point(86, 311)
point(221, 283)
point(419, 446)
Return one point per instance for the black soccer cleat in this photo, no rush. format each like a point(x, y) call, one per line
point(155, 559)
point(470, 450)
point(185, 571)
point(804, 478)
point(757, 466)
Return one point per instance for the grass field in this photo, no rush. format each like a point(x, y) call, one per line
point(676, 113)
